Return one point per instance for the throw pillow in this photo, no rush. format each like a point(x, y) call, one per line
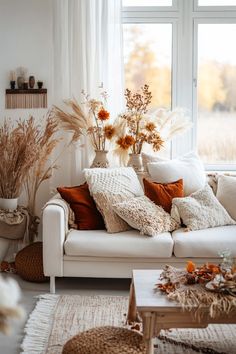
point(109, 186)
point(163, 193)
point(226, 194)
point(201, 210)
point(189, 168)
point(142, 214)
point(87, 216)
point(148, 158)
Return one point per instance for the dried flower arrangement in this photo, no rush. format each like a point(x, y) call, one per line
point(44, 143)
point(137, 126)
point(18, 155)
point(90, 122)
point(26, 148)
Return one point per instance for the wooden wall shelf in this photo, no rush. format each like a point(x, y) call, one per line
point(31, 98)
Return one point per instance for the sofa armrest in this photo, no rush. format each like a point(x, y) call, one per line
point(55, 228)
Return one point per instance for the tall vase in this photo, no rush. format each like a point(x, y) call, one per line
point(135, 161)
point(100, 159)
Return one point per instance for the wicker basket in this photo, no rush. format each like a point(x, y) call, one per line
point(105, 340)
point(29, 263)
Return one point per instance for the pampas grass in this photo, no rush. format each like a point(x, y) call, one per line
point(18, 155)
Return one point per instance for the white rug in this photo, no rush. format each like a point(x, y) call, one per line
point(56, 318)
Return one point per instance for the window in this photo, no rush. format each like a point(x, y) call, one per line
point(185, 51)
point(216, 123)
point(147, 58)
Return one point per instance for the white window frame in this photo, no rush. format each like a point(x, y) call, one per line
point(184, 15)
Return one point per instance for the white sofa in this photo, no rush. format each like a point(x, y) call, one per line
point(75, 253)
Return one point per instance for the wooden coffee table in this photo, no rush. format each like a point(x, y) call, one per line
point(158, 313)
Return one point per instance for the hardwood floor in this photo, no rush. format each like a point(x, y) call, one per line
point(30, 291)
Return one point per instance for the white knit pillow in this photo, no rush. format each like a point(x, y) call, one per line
point(201, 210)
point(109, 186)
point(144, 215)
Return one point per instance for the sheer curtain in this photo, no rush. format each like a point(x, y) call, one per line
point(87, 52)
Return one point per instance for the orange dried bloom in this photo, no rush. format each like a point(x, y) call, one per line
point(109, 131)
point(150, 126)
point(214, 268)
point(125, 142)
point(190, 267)
point(103, 114)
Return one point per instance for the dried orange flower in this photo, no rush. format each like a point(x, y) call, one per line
point(109, 131)
point(125, 142)
point(150, 126)
point(190, 267)
point(103, 114)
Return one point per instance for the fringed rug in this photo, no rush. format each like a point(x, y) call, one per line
point(56, 318)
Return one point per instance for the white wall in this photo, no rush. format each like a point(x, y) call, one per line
point(26, 40)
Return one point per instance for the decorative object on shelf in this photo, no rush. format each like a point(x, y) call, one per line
point(8, 203)
point(196, 287)
point(40, 84)
point(31, 81)
point(12, 78)
point(136, 127)
point(25, 85)
point(30, 98)
point(29, 263)
point(22, 74)
point(90, 122)
point(9, 308)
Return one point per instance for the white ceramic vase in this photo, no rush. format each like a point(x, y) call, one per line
point(100, 159)
point(8, 204)
point(135, 161)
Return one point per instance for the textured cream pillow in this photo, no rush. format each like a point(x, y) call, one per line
point(200, 210)
point(142, 214)
point(189, 168)
point(109, 186)
point(226, 194)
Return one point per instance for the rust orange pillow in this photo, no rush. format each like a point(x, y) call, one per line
point(87, 216)
point(163, 193)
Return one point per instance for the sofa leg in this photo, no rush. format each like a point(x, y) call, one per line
point(52, 285)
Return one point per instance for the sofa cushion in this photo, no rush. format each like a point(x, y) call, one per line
point(226, 194)
point(109, 186)
point(205, 243)
point(99, 243)
point(163, 193)
point(87, 216)
point(188, 167)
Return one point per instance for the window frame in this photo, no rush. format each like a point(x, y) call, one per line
point(174, 7)
point(213, 8)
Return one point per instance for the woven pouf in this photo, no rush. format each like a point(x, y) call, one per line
point(29, 263)
point(105, 340)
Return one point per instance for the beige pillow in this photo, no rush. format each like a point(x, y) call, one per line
point(109, 186)
point(142, 214)
point(226, 194)
point(200, 210)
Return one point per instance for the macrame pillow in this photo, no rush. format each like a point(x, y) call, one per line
point(109, 186)
point(201, 210)
point(144, 215)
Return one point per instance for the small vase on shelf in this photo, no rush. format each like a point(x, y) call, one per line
point(31, 81)
point(100, 159)
point(135, 161)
